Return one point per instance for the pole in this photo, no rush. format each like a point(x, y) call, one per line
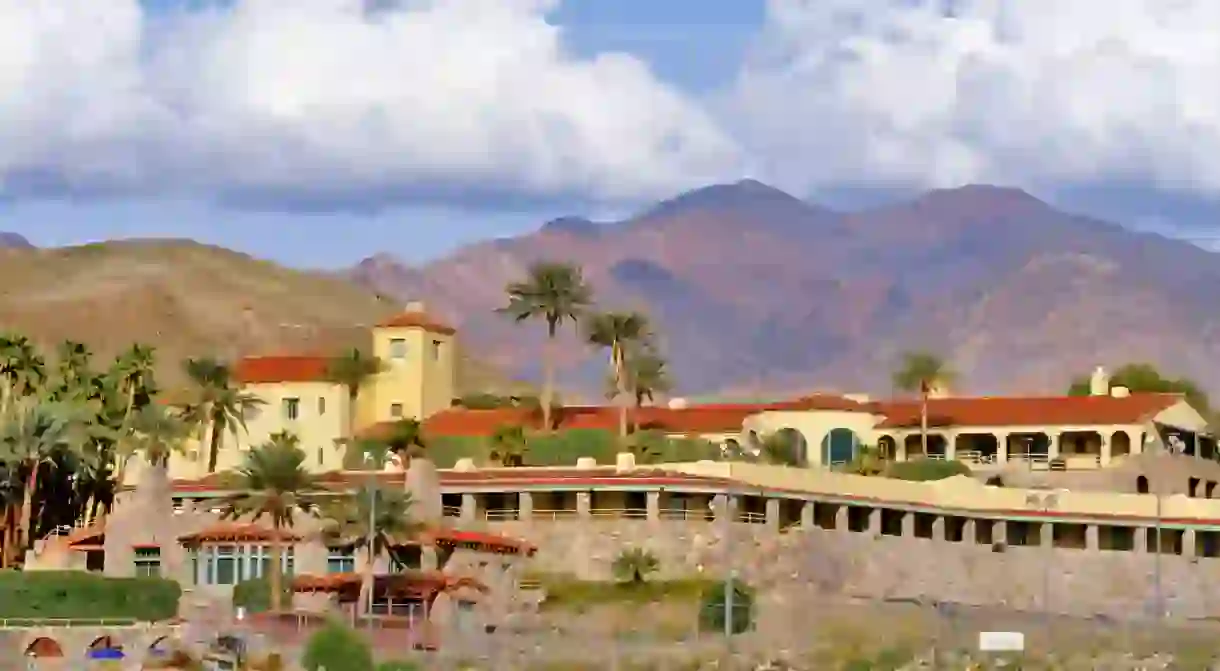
point(1158, 596)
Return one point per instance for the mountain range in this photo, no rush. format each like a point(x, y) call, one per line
point(757, 292)
point(753, 292)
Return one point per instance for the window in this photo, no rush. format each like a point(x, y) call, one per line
point(148, 562)
point(292, 408)
point(341, 560)
point(321, 456)
point(231, 564)
point(395, 410)
point(398, 348)
point(407, 558)
point(436, 350)
point(321, 405)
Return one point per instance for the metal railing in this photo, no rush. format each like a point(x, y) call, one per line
point(40, 622)
point(451, 511)
point(670, 514)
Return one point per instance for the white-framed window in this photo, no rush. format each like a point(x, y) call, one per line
point(292, 408)
point(395, 410)
point(321, 405)
point(321, 456)
point(147, 562)
point(231, 564)
point(398, 348)
point(341, 560)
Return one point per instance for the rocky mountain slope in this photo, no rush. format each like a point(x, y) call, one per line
point(755, 290)
point(189, 299)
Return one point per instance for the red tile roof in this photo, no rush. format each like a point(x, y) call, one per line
point(480, 540)
point(237, 532)
point(419, 320)
point(275, 369)
point(1027, 411)
point(417, 581)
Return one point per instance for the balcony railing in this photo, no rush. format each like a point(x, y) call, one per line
point(679, 514)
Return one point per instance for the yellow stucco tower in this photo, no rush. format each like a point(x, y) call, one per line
point(418, 378)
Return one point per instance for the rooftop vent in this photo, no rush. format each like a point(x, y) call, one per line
point(415, 306)
point(624, 461)
point(1099, 382)
point(465, 465)
point(586, 462)
point(677, 403)
point(1120, 392)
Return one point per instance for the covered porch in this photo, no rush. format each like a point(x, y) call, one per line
point(1045, 448)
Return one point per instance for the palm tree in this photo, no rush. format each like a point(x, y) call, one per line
point(33, 429)
point(154, 432)
point(376, 519)
point(634, 565)
point(646, 370)
point(133, 372)
point(618, 331)
point(405, 438)
point(508, 445)
point(220, 406)
point(922, 372)
point(555, 293)
point(352, 369)
point(20, 365)
point(778, 449)
point(273, 482)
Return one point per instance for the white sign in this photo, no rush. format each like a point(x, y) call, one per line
point(1001, 641)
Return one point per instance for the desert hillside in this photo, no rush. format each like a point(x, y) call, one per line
point(189, 299)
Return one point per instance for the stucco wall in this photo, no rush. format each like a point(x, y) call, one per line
point(813, 427)
point(422, 383)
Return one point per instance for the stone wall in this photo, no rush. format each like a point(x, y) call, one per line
point(850, 564)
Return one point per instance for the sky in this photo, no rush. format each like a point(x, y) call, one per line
point(318, 132)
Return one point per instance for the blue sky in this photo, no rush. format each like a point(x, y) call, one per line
point(315, 134)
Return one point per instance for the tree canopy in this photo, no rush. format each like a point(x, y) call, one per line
point(1145, 378)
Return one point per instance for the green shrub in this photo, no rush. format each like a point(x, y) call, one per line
point(335, 647)
point(924, 469)
point(77, 594)
point(712, 610)
point(255, 595)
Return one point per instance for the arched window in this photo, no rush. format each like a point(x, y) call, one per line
point(1141, 485)
point(839, 446)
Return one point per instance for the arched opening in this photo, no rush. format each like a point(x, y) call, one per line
point(913, 444)
point(995, 481)
point(839, 446)
point(753, 443)
point(43, 647)
point(887, 448)
point(731, 449)
point(791, 446)
point(160, 647)
point(103, 643)
point(1120, 444)
point(1141, 485)
point(1192, 487)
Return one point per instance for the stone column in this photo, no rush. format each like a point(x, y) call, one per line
point(1140, 540)
point(1092, 537)
point(900, 447)
point(1052, 448)
point(999, 531)
point(807, 517)
point(1046, 535)
point(584, 505)
point(1105, 450)
point(969, 531)
point(654, 506)
point(720, 507)
point(938, 528)
point(908, 525)
point(1001, 450)
point(950, 445)
point(874, 521)
point(773, 521)
point(1188, 543)
point(841, 518)
point(470, 508)
point(525, 506)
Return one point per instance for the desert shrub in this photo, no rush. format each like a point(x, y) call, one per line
point(712, 609)
point(335, 647)
point(77, 594)
point(255, 595)
point(924, 470)
point(634, 565)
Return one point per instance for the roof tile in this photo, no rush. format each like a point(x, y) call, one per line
point(1027, 411)
point(276, 369)
point(417, 319)
point(236, 532)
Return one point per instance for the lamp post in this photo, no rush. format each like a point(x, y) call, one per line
point(370, 459)
point(1046, 503)
point(730, 585)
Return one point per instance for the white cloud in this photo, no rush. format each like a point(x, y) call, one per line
point(1033, 92)
point(317, 96)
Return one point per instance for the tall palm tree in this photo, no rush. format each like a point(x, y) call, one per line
point(220, 406)
point(21, 365)
point(507, 445)
point(273, 482)
point(922, 372)
point(647, 376)
point(619, 332)
point(555, 293)
point(33, 429)
point(376, 519)
point(154, 432)
point(133, 372)
point(352, 369)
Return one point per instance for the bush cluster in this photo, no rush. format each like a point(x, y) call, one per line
point(81, 595)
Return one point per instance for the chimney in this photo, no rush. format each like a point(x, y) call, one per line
point(1120, 392)
point(1099, 382)
point(415, 306)
point(677, 403)
point(624, 462)
point(586, 462)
